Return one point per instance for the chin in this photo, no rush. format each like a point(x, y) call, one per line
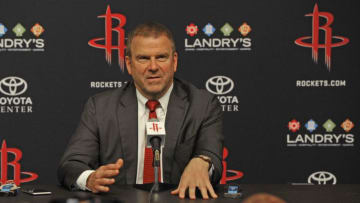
point(155, 91)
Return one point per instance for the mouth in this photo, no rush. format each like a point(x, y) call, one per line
point(153, 78)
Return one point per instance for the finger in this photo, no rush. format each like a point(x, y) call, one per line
point(175, 192)
point(120, 163)
point(112, 166)
point(204, 192)
point(182, 192)
point(211, 190)
point(101, 188)
point(192, 192)
point(105, 181)
point(110, 173)
point(107, 173)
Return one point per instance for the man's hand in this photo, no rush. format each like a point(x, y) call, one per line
point(98, 180)
point(195, 175)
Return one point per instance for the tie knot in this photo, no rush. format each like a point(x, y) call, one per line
point(152, 104)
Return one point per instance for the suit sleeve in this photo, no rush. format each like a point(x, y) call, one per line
point(83, 149)
point(210, 137)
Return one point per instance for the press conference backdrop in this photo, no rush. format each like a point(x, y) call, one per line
point(285, 72)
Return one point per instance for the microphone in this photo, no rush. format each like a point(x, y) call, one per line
point(155, 138)
point(155, 133)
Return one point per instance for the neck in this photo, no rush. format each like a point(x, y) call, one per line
point(153, 96)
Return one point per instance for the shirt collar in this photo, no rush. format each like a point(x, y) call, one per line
point(164, 100)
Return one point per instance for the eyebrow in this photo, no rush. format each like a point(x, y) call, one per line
point(162, 55)
point(141, 56)
point(156, 56)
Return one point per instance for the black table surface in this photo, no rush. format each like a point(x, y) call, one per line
point(127, 193)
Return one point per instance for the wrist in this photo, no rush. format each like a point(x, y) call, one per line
point(88, 181)
point(205, 159)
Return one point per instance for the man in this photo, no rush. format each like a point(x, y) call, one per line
point(109, 144)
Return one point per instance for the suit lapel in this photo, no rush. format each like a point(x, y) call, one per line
point(175, 116)
point(128, 130)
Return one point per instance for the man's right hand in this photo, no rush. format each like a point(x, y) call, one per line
point(103, 176)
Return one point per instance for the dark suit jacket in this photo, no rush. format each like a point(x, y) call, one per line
point(109, 125)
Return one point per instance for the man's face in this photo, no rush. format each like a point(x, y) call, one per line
point(152, 65)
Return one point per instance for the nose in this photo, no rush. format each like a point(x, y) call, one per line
point(153, 66)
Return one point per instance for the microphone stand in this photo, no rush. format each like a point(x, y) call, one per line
point(156, 164)
point(156, 186)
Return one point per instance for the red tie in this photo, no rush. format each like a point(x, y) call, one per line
point(148, 176)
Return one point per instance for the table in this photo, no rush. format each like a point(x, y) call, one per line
point(127, 193)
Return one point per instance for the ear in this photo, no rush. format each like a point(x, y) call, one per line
point(128, 64)
point(175, 58)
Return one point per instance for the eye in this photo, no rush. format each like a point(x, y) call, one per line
point(162, 57)
point(143, 59)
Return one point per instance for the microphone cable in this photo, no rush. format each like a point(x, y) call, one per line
point(151, 193)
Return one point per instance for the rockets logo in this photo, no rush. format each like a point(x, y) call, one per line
point(236, 174)
point(15, 164)
point(155, 127)
point(108, 46)
point(315, 45)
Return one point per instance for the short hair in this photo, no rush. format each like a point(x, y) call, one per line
point(149, 29)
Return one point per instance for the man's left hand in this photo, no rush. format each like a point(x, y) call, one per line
point(195, 175)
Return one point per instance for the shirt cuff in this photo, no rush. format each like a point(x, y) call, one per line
point(81, 181)
point(211, 170)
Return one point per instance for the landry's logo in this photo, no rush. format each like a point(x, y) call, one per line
point(211, 37)
point(37, 29)
point(3, 29)
point(107, 45)
point(20, 41)
point(19, 30)
point(191, 29)
point(314, 136)
point(235, 174)
point(244, 29)
point(315, 44)
point(5, 163)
